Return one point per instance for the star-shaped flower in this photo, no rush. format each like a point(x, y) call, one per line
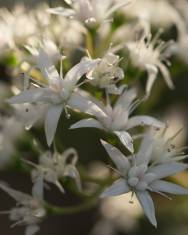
point(28, 211)
point(89, 12)
point(57, 92)
point(138, 175)
point(117, 119)
point(53, 167)
point(148, 54)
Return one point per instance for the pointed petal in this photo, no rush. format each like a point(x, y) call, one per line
point(72, 172)
point(85, 105)
point(125, 100)
point(28, 96)
point(126, 139)
point(32, 229)
point(16, 195)
point(38, 187)
point(152, 75)
point(46, 67)
point(145, 151)
point(92, 123)
point(121, 162)
point(147, 204)
point(117, 188)
point(61, 11)
point(142, 120)
point(167, 169)
point(166, 75)
point(51, 122)
point(168, 187)
point(85, 66)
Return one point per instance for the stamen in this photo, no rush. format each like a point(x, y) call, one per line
point(67, 114)
point(131, 201)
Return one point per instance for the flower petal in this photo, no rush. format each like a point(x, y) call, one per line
point(46, 67)
point(72, 172)
point(166, 75)
point(87, 123)
point(38, 187)
point(32, 229)
point(16, 195)
point(142, 120)
point(167, 169)
point(125, 100)
point(61, 11)
point(168, 187)
point(28, 96)
point(51, 122)
point(85, 66)
point(85, 105)
point(117, 188)
point(152, 75)
point(147, 204)
point(121, 162)
point(126, 139)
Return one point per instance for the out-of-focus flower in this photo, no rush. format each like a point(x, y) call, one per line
point(58, 93)
point(107, 74)
point(28, 211)
point(90, 12)
point(138, 175)
point(10, 131)
point(149, 55)
point(117, 118)
point(155, 12)
point(53, 167)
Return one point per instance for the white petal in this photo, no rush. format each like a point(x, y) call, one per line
point(142, 120)
point(28, 96)
point(87, 123)
point(32, 229)
point(46, 67)
point(147, 205)
point(121, 162)
point(166, 75)
point(168, 187)
point(72, 172)
point(51, 122)
point(152, 75)
point(38, 187)
point(125, 100)
point(126, 139)
point(116, 6)
point(117, 188)
point(85, 105)
point(74, 75)
point(61, 11)
point(167, 169)
point(145, 150)
point(18, 196)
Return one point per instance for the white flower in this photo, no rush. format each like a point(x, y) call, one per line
point(117, 118)
point(107, 74)
point(10, 131)
point(28, 211)
point(89, 12)
point(58, 93)
point(147, 54)
point(160, 149)
point(138, 176)
point(155, 12)
point(53, 167)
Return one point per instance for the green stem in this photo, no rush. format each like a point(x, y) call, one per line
point(55, 210)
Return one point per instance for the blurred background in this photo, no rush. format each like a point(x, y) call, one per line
point(114, 216)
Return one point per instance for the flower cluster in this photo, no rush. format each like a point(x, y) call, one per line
point(74, 61)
